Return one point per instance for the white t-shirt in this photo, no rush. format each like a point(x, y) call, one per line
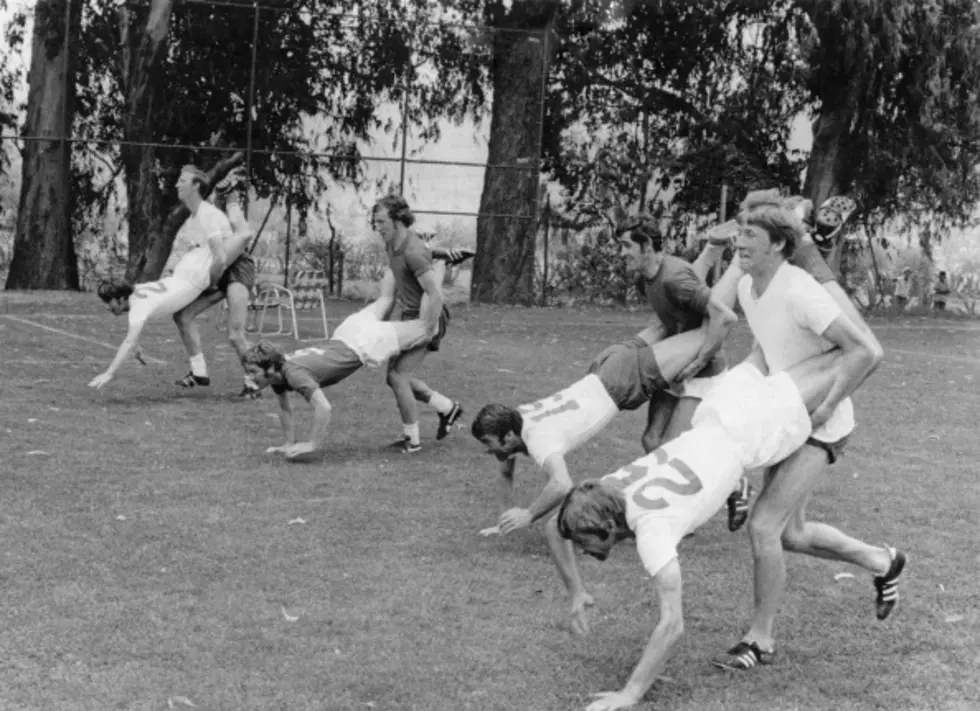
point(746, 421)
point(200, 227)
point(373, 340)
point(788, 321)
point(560, 423)
point(675, 489)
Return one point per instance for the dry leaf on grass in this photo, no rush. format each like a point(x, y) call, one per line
point(37, 451)
point(297, 520)
point(841, 576)
point(289, 618)
point(182, 700)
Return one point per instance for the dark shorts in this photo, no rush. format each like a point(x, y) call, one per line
point(808, 258)
point(242, 271)
point(630, 373)
point(444, 319)
point(834, 450)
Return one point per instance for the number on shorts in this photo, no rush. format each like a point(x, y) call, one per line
point(691, 485)
point(538, 410)
point(153, 287)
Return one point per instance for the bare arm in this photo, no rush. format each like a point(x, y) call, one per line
point(665, 635)
point(386, 298)
point(559, 484)
point(564, 557)
point(841, 298)
point(321, 420)
point(125, 350)
point(433, 290)
point(506, 486)
point(858, 358)
point(721, 320)
point(286, 417)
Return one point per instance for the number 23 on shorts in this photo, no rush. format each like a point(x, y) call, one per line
point(634, 473)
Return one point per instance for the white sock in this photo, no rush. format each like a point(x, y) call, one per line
point(198, 366)
point(441, 403)
point(412, 432)
point(250, 381)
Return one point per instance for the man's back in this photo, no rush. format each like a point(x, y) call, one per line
point(408, 264)
point(677, 296)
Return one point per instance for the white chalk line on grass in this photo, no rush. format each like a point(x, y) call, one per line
point(939, 356)
point(69, 334)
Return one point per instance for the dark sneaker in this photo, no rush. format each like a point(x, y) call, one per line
point(235, 180)
point(886, 585)
point(250, 391)
point(447, 421)
point(723, 235)
point(192, 381)
point(743, 656)
point(738, 505)
point(406, 445)
point(830, 220)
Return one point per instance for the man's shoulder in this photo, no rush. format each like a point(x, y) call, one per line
point(675, 267)
point(209, 214)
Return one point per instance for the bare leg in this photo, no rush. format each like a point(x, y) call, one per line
point(401, 383)
point(778, 521)
point(189, 333)
point(237, 296)
point(659, 411)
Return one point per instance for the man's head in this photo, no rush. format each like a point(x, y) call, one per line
point(499, 428)
point(264, 362)
point(942, 276)
point(769, 230)
point(192, 183)
point(116, 295)
point(641, 246)
point(593, 516)
point(390, 216)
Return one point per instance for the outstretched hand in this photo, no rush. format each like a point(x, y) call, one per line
point(580, 617)
point(611, 700)
point(100, 380)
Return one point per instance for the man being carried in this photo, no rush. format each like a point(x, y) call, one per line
point(195, 272)
point(363, 338)
point(623, 377)
point(745, 421)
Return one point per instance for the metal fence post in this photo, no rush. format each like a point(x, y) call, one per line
point(251, 105)
point(407, 90)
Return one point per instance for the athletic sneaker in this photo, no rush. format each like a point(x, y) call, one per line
point(830, 220)
point(738, 505)
point(724, 234)
point(192, 381)
point(406, 445)
point(886, 586)
point(743, 656)
point(447, 421)
point(250, 391)
point(231, 182)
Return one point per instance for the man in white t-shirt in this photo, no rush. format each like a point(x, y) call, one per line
point(745, 421)
point(196, 271)
point(234, 283)
point(621, 378)
point(793, 318)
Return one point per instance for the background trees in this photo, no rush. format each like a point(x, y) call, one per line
point(647, 106)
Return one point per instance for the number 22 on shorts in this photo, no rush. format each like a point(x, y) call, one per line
point(691, 485)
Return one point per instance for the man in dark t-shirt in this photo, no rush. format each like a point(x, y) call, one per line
point(410, 265)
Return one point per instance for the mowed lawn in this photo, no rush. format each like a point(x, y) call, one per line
point(153, 557)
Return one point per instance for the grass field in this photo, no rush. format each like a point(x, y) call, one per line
point(155, 558)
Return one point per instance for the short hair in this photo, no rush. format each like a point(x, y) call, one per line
point(588, 509)
point(265, 355)
point(644, 229)
point(397, 209)
point(942, 273)
point(111, 289)
point(497, 420)
point(773, 213)
point(197, 175)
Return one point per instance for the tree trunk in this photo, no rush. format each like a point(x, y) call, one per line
point(503, 269)
point(143, 50)
point(44, 250)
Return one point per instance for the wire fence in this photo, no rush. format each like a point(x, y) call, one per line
point(236, 78)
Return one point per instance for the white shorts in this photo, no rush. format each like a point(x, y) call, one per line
point(195, 267)
point(374, 341)
point(157, 299)
point(765, 417)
